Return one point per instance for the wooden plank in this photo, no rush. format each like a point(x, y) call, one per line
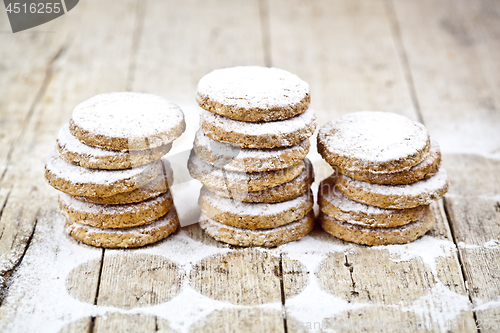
point(26, 64)
point(344, 50)
point(95, 61)
point(348, 53)
point(453, 60)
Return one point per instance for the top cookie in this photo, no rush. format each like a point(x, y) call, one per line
point(253, 93)
point(127, 121)
point(371, 141)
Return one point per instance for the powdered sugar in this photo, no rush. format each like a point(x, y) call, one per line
point(231, 158)
point(235, 207)
point(374, 136)
point(222, 179)
point(90, 208)
point(212, 227)
point(428, 188)
point(129, 116)
point(253, 87)
point(78, 175)
point(169, 219)
point(281, 132)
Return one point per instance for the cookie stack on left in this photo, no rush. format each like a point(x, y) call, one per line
point(110, 168)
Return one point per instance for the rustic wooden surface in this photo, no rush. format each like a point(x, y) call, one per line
point(434, 62)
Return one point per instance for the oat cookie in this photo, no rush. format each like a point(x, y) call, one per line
point(376, 142)
point(75, 180)
point(251, 93)
point(423, 170)
point(337, 206)
point(127, 121)
point(115, 216)
point(153, 189)
point(126, 237)
point(227, 157)
point(258, 237)
point(376, 236)
point(73, 151)
point(215, 178)
point(422, 192)
point(261, 135)
point(284, 192)
point(254, 215)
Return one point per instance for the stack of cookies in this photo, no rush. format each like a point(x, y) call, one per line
point(388, 172)
point(110, 170)
point(250, 156)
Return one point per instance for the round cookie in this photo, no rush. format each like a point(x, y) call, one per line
point(376, 236)
point(127, 121)
point(261, 135)
point(422, 192)
point(73, 151)
point(230, 158)
point(252, 93)
point(153, 189)
point(115, 216)
point(423, 170)
point(371, 141)
point(254, 215)
point(215, 178)
point(333, 203)
point(284, 192)
point(126, 237)
point(258, 237)
point(75, 180)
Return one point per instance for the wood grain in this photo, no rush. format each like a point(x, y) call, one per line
point(453, 61)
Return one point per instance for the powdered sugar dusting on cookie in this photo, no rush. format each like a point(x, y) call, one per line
point(253, 87)
point(212, 227)
point(86, 207)
point(169, 219)
point(70, 143)
point(236, 207)
point(235, 159)
point(280, 130)
point(78, 175)
point(374, 136)
point(129, 116)
point(430, 187)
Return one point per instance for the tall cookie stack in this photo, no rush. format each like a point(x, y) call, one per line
point(250, 156)
point(109, 166)
point(388, 173)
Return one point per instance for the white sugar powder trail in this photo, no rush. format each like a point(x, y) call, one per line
point(491, 244)
point(427, 248)
point(313, 304)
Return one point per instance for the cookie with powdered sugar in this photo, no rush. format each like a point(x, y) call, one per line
point(115, 216)
point(230, 158)
point(252, 93)
point(425, 169)
point(376, 236)
point(283, 192)
point(372, 141)
point(75, 180)
point(127, 121)
point(152, 189)
point(290, 232)
point(220, 179)
point(126, 237)
point(334, 204)
point(422, 192)
point(74, 151)
point(251, 215)
point(271, 134)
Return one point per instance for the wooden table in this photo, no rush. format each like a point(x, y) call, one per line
point(434, 61)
